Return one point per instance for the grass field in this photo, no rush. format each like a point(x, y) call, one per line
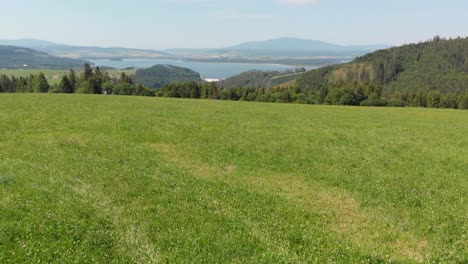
point(96, 179)
point(53, 76)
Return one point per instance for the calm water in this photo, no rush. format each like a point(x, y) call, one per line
point(212, 70)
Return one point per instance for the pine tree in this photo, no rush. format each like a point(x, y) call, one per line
point(98, 72)
point(41, 84)
point(73, 80)
point(123, 78)
point(65, 85)
point(88, 72)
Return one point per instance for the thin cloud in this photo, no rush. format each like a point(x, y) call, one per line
point(299, 2)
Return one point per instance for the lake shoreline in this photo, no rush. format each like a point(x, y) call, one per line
point(209, 70)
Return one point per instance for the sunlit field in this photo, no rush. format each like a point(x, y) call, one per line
point(107, 179)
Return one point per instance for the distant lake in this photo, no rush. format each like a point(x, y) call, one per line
point(211, 70)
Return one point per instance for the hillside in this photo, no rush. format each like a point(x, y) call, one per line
point(427, 74)
point(28, 43)
point(12, 57)
point(84, 52)
point(440, 65)
point(261, 79)
point(107, 179)
point(158, 75)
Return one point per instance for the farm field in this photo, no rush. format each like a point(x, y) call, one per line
point(53, 76)
point(115, 179)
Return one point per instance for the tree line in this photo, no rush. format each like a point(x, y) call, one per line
point(94, 81)
point(90, 81)
point(356, 94)
point(353, 94)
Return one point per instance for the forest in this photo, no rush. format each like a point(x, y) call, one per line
point(159, 75)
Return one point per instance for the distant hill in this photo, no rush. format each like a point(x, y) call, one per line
point(84, 52)
point(440, 65)
point(28, 43)
point(12, 57)
point(303, 47)
point(300, 45)
point(290, 51)
point(287, 51)
point(158, 75)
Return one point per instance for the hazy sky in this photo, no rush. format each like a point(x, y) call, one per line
point(160, 24)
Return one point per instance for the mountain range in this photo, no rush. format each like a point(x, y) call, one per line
point(84, 52)
point(292, 51)
point(301, 45)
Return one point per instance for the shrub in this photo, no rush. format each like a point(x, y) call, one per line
point(395, 102)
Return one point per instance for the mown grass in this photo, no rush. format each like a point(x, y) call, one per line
point(150, 180)
point(53, 76)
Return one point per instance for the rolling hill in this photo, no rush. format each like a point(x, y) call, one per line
point(261, 79)
point(158, 75)
point(440, 64)
point(12, 57)
point(85, 52)
point(28, 43)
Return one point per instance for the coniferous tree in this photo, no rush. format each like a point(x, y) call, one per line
point(21, 86)
point(41, 84)
point(98, 72)
point(65, 85)
point(73, 80)
point(88, 72)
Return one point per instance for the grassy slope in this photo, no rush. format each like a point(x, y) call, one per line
point(120, 179)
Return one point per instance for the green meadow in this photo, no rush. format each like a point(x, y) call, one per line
point(107, 179)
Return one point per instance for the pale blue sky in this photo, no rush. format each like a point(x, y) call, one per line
point(160, 24)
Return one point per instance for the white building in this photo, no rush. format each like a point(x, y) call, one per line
point(212, 80)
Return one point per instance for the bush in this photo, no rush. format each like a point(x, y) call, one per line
point(107, 87)
point(347, 99)
point(374, 100)
point(395, 102)
point(55, 89)
point(123, 89)
point(85, 88)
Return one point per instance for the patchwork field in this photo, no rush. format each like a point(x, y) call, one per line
point(105, 179)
